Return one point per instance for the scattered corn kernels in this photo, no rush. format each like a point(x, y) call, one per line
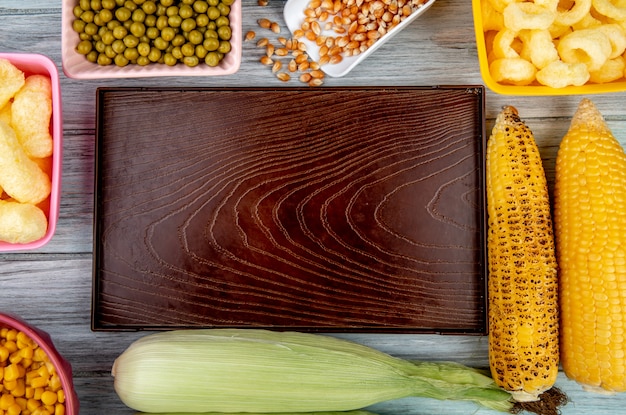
point(29, 383)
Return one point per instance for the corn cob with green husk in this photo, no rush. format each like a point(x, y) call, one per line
point(523, 286)
point(590, 221)
point(248, 370)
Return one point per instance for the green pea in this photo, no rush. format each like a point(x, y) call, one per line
point(92, 56)
point(201, 51)
point(212, 59)
point(108, 38)
point(130, 5)
point(202, 20)
point(169, 60)
point(122, 14)
point(188, 2)
point(161, 22)
point(167, 3)
point(172, 11)
point(85, 4)
point(104, 60)
point(131, 41)
point(174, 21)
point(224, 32)
point(120, 60)
point(188, 25)
point(191, 61)
point(105, 15)
point(177, 52)
point(131, 54)
point(209, 33)
point(108, 50)
point(222, 21)
point(108, 4)
point(119, 32)
point(213, 13)
point(168, 33)
point(224, 46)
point(213, 2)
point(96, 5)
point(150, 20)
point(160, 43)
point(113, 24)
point(211, 44)
point(152, 33)
point(137, 29)
point(143, 61)
point(195, 37)
point(185, 11)
point(154, 55)
point(228, 2)
point(143, 48)
point(84, 47)
point(77, 11)
point(224, 9)
point(211, 25)
point(118, 46)
point(149, 7)
point(138, 15)
point(100, 46)
point(84, 36)
point(87, 16)
point(200, 6)
point(188, 49)
point(91, 29)
point(78, 26)
point(179, 40)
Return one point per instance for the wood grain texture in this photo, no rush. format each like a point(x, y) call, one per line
point(328, 210)
point(51, 287)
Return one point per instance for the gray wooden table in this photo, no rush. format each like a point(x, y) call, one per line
point(51, 287)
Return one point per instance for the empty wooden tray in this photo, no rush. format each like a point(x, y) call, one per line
point(328, 209)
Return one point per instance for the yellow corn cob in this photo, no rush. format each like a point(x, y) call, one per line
point(523, 286)
point(590, 224)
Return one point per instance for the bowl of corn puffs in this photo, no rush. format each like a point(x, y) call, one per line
point(551, 48)
point(31, 137)
point(35, 375)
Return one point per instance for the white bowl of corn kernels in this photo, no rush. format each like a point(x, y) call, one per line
point(35, 375)
point(339, 36)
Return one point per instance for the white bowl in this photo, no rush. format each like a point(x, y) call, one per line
point(294, 17)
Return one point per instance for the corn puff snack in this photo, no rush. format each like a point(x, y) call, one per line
point(21, 223)
point(33, 133)
point(20, 177)
point(12, 79)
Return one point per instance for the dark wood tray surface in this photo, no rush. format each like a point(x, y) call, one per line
point(335, 209)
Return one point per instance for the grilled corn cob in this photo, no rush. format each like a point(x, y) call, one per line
point(590, 224)
point(523, 286)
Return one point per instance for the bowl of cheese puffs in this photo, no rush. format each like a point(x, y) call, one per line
point(551, 48)
point(31, 137)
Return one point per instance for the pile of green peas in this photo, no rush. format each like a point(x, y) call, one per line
point(142, 32)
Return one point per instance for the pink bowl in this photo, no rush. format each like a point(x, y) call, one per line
point(77, 66)
point(63, 367)
point(31, 63)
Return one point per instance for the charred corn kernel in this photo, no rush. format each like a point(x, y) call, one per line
point(590, 221)
point(523, 286)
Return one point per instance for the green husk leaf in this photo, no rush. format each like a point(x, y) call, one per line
point(247, 370)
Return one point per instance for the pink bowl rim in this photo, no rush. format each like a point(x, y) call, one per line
point(77, 67)
point(43, 339)
point(34, 63)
